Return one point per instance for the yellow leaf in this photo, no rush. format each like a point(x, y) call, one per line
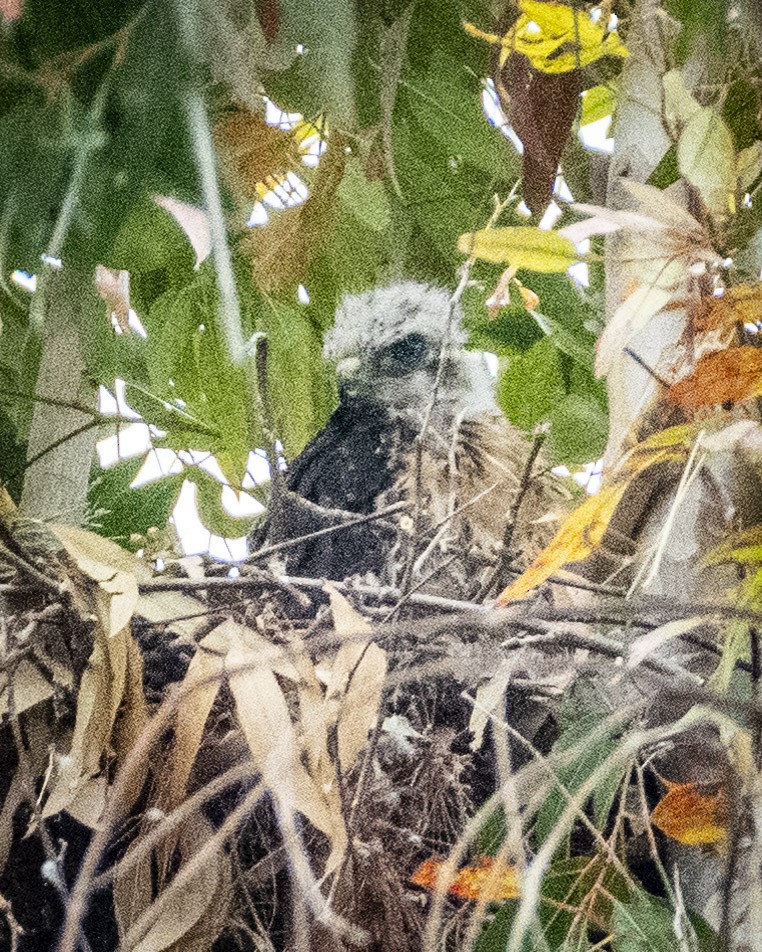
point(521, 247)
point(554, 37)
point(692, 817)
point(584, 529)
point(580, 535)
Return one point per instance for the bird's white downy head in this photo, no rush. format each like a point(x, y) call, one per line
point(386, 345)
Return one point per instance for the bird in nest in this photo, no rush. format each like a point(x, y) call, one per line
point(417, 424)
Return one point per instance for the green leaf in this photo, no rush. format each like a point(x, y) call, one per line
point(578, 430)
point(706, 157)
point(521, 247)
point(211, 509)
point(666, 172)
point(513, 330)
point(365, 199)
point(532, 385)
point(573, 775)
point(648, 922)
point(597, 103)
point(150, 240)
point(322, 78)
point(741, 111)
point(445, 99)
point(186, 347)
point(118, 510)
point(297, 393)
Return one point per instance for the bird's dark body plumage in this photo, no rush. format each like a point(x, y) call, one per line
point(348, 466)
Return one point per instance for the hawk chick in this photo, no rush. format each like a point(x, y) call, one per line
point(405, 430)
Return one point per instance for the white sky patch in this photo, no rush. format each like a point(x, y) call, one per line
point(193, 535)
point(590, 477)
point(257, 470)
point(580, 273)
point(228, 550)
point(24, 280)
point(552, 213)
point(240, 504)
point(288, 193)
point(128, 442)
point(493, 111)
point(562, 190)
point(302, 294)
point(107, 401)
point(160, 461)
point(492, 362)
point(275, 116)
point(258, 216)
point(136, 325)
point(121, 400)
point(195, 538)
point(594, 135)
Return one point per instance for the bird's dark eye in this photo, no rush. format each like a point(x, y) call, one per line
point(410, 353)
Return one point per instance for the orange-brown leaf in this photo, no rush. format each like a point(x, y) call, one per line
point(732, 375)
point(692, 817)
point(488, 880)
point(530, 299)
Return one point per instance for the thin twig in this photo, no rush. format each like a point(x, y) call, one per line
point(465, 275)
point(506, 554)
point(269, 550)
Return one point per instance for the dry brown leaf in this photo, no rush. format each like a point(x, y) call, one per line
point(264, 716)
point(112, 683)
point(741, 304)
point(199, 689)
point(731, 375)
point(80, 543)
point(692, 816)
point(651, 641)
point(357, 677)
point(182, 614)
point(186, 919)
point(114, 287)
point(30, 687)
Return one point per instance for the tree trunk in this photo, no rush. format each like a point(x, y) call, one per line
point(61, 440)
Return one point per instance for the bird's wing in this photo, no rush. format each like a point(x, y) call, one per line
point(346, 469)
point(464, 492)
